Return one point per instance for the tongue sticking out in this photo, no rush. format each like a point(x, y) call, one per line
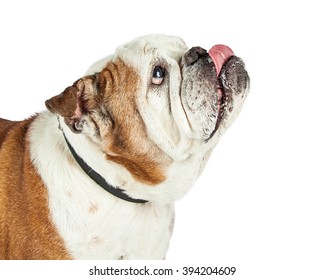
point(219, 55)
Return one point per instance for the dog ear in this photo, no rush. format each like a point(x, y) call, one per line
point(71, 103)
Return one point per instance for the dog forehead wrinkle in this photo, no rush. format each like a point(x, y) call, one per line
point(148, 49)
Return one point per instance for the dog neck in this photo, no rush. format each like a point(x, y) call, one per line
point(97, 178)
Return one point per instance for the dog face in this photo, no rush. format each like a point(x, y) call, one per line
point(155, 102)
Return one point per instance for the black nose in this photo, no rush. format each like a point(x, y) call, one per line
point(193, 55)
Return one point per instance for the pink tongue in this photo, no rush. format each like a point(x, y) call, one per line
point(219, 55)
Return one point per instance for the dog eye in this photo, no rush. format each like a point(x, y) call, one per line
point(158, 75)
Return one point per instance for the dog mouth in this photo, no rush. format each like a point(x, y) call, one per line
point(213, 89)
point(219, 55)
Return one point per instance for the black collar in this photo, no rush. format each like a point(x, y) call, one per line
point(116, 191)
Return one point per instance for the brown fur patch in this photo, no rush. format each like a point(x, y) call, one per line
point(128, 142)
point(5, 127)
point(26, 230)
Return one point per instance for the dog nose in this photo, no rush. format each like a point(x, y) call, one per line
point(193, 55)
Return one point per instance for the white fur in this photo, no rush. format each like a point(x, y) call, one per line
point(118, 229)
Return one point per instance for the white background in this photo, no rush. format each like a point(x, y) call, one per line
point(259, 205)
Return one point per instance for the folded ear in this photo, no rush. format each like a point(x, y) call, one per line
point(70, 104)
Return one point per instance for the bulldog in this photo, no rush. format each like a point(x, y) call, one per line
point(97, 174)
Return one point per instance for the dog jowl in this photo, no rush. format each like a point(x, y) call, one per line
point(97, 174)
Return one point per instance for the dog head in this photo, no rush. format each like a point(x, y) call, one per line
point(155, 103)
